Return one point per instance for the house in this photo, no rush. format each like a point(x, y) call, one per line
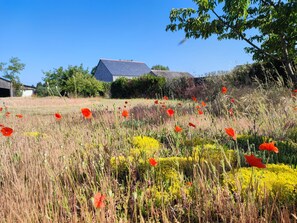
point(170, 74)
point(110, 70)
point(6, 89)
point(27, 91)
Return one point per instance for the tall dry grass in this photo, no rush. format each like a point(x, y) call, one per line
point(50, 170)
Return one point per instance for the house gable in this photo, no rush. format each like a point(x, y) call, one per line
point(102, 73)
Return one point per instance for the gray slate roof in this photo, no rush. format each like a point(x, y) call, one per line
point(126, 68)
point(170, 74)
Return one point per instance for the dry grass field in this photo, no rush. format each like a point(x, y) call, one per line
point(52, 170)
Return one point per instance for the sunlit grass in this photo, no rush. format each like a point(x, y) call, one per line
point(50, 170)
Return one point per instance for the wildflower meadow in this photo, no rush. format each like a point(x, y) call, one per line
point(228, 159)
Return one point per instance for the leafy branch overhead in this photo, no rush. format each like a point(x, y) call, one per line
point(268, 26)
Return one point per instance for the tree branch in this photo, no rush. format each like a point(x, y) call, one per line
point(242, 36)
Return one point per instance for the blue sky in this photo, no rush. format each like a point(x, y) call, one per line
point(47, 34)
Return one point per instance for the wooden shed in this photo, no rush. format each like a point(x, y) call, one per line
point(6, 89)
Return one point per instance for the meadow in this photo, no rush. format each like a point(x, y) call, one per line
point(150, 160)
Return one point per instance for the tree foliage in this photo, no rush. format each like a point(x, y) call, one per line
point(145, 86)
point(73, 81)
point(11, 72)
point(268, 26)
point(159, 67)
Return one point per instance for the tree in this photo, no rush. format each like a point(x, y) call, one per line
point(11, 72)
point(93, 71)
point(56, 80)
point(268, 26)
point(75, 80)
point(159, 67)
point(84, 85)
point(41, 90)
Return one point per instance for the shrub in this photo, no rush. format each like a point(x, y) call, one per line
point(85, 85)
point(214, 154)
point(119, 88)
point(277, 181)
point(181, 88)
point(146, 86)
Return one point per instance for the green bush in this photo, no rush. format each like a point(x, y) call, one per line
point(215, 155)
point(119, 88)
point(85, 85)
point(146, 86)
point(181, 88)
point(277, 181)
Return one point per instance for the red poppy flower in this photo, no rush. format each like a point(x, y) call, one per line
point(295, 91)
point(1, 125)
point(200, 112)
point(189, 184)
point(269, 147)
point(224, 90)
point(125, 113)
point(232, 100)
point(153, 162)
point(156, 102)
point(170, 112)
point(1, 109)
point(165, 98)
point(192, 125)
point(194, 98)
point(19, 116)
point(6, 131)
point(231, 132)
point(178, 129)
point(86, 113)
point(254, 161)
point(203, 103)
point(230, 112)
point(58, 116)
point(198, 107)
point(7, 114)
point(99, 200)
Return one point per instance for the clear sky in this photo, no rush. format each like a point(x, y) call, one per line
point(47, 34)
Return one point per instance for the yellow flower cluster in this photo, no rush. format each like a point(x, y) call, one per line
point(276, 181)
point(35, 134)
point(143, 146)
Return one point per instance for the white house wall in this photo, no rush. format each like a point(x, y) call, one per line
point(27, 93)
point(116, 77)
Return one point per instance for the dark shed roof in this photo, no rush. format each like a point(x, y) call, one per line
point(125, 68)
point(4, 83)
point(170, 74)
